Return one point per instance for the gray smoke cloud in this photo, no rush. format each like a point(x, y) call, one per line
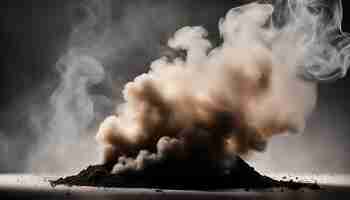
point(71, 107)
point(261, 81)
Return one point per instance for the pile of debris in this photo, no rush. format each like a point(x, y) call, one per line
point(175, 174)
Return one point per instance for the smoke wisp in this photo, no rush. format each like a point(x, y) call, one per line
point(72, 106)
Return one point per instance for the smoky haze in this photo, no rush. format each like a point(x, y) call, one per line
point(105, 45)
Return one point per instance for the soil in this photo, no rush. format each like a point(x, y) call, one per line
point(175, 174)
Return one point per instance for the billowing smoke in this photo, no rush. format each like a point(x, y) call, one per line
point(219, 101)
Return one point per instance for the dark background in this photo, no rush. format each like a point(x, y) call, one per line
point(34, 34)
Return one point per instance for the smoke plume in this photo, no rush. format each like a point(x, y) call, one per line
point(71, 105)
point(230, 99)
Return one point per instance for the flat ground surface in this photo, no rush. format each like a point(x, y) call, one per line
point(24, 186)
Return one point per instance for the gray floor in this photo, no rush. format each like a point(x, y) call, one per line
point(37, 187)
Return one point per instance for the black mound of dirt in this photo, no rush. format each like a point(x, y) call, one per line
point(173, 174)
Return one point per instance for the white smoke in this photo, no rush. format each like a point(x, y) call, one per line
point(261, 81)
point(317, 24)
